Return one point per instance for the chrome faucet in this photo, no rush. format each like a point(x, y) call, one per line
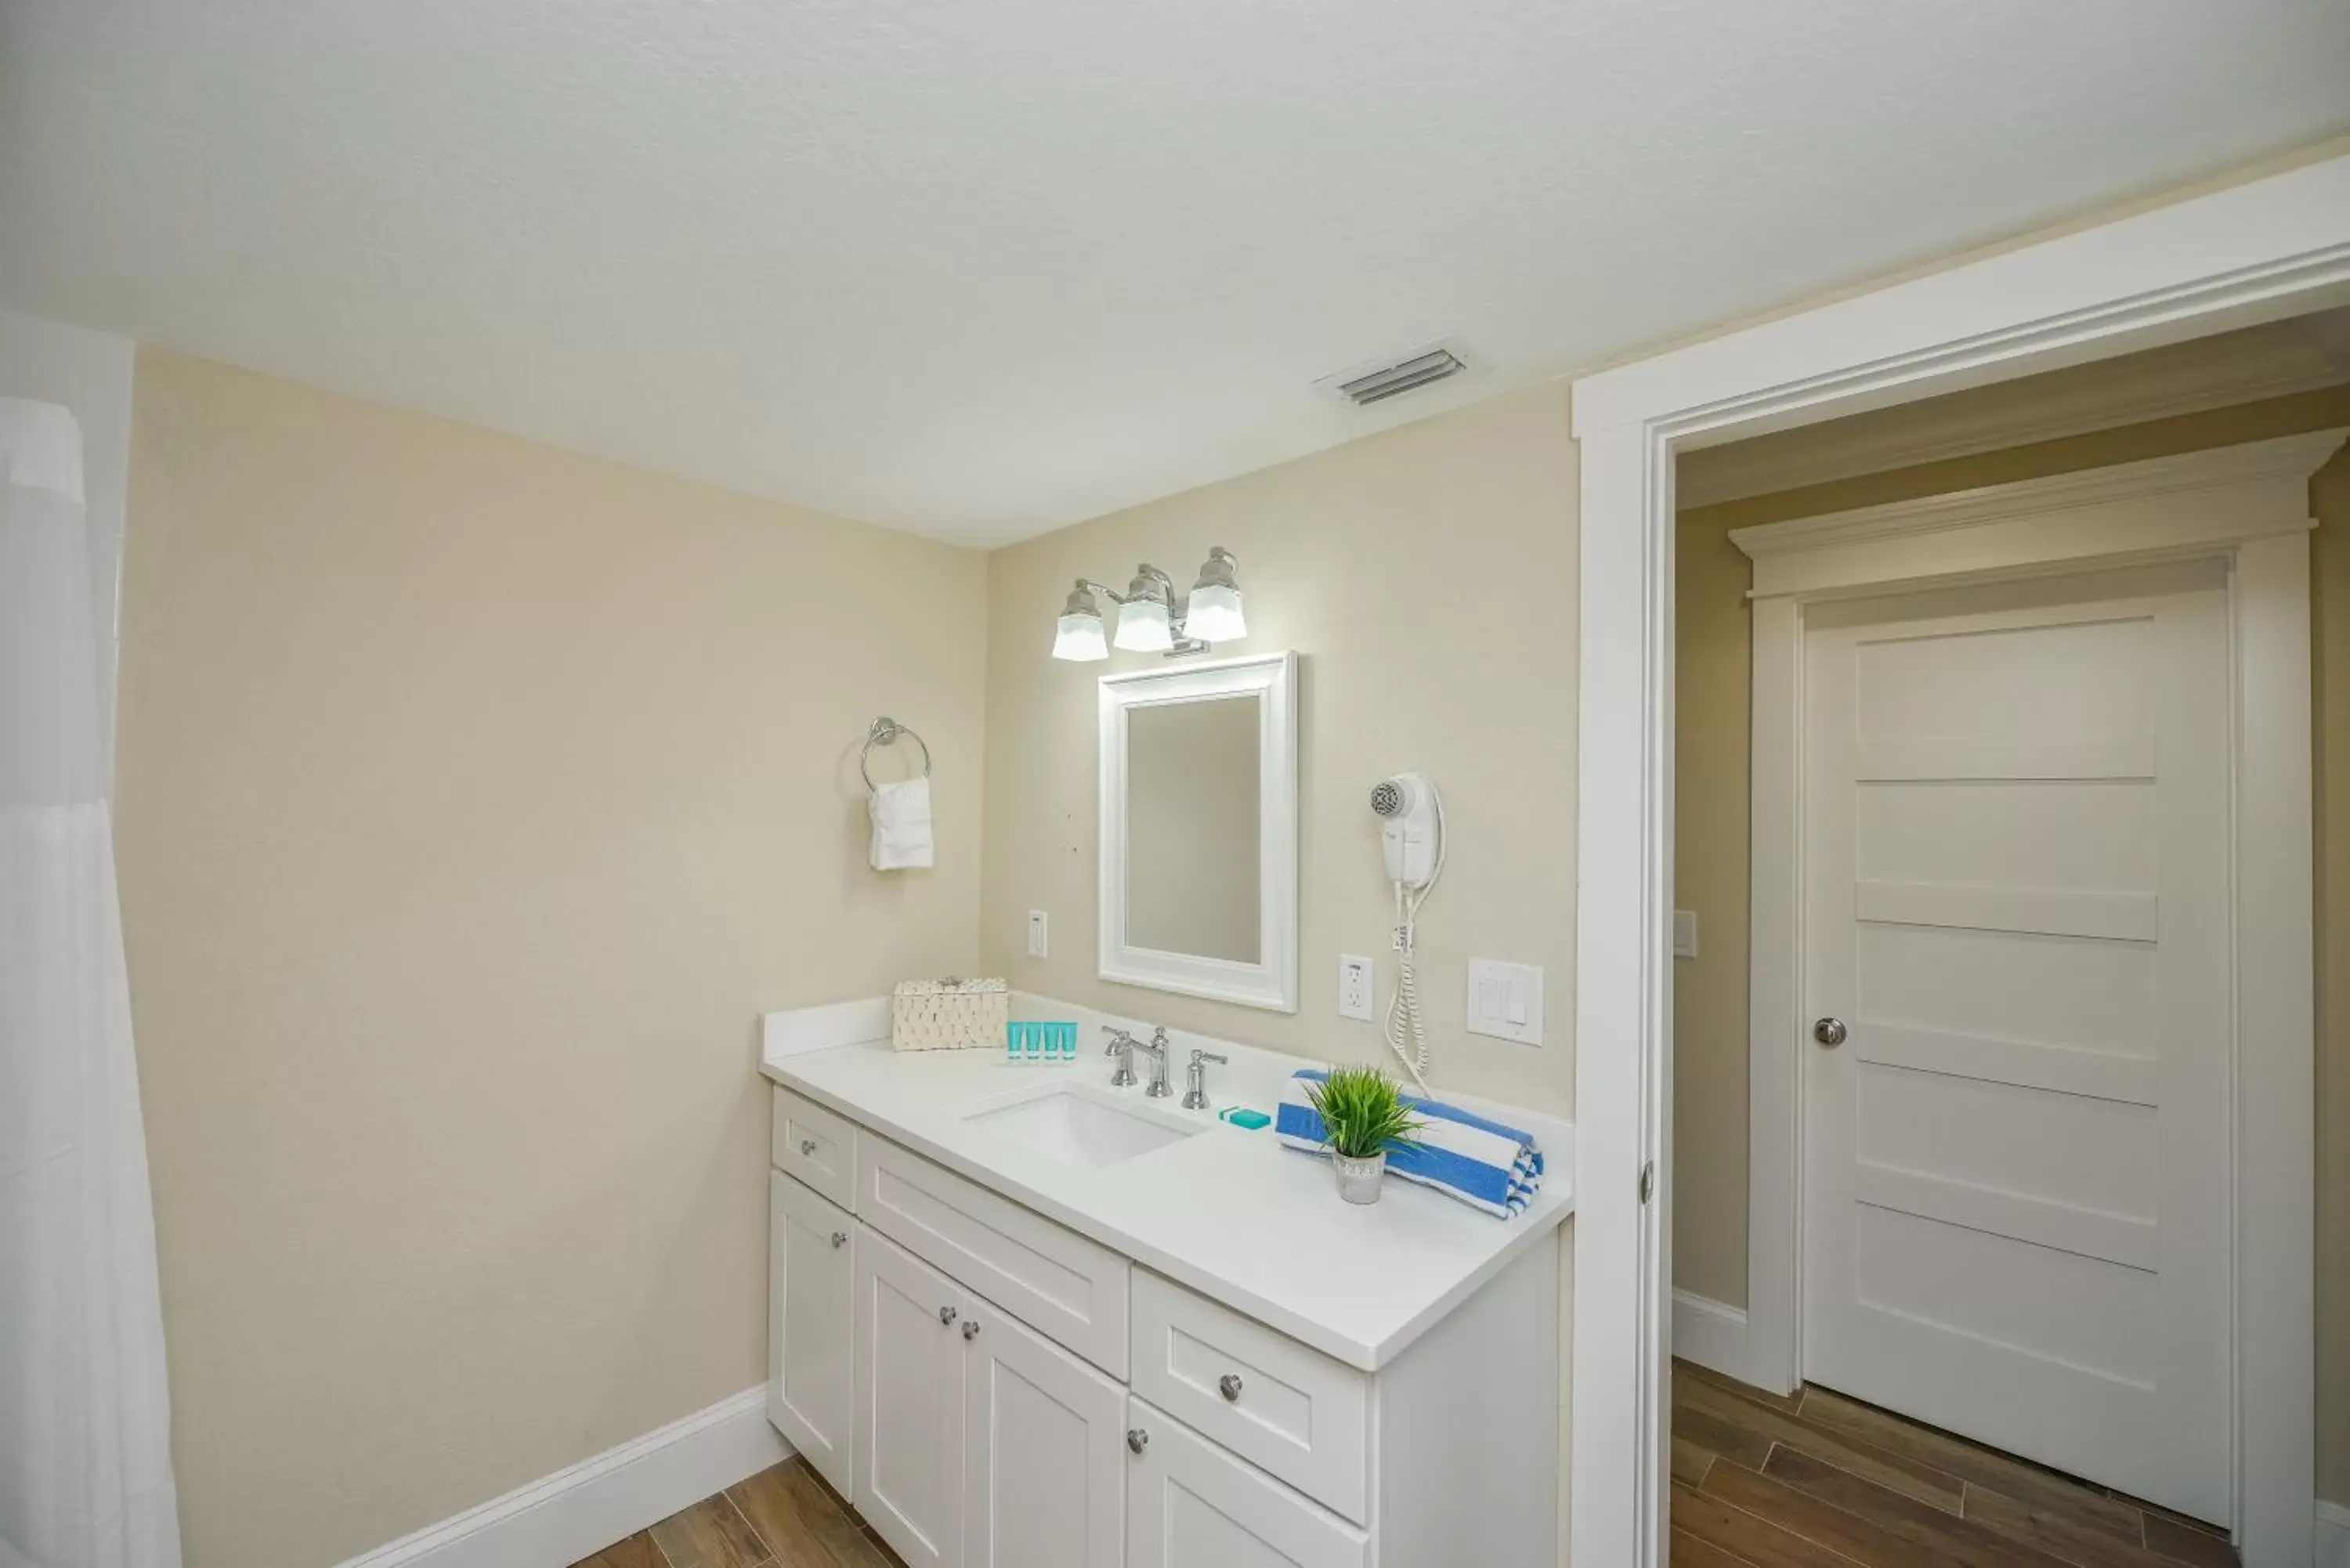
point(1195, 1079)
point(1121, 1045)
point(1158, 1050)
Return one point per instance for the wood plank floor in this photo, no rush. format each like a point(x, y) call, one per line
point(1773, 1480)
point(781, 1518)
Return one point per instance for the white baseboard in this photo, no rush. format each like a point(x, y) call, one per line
point(587, 1507)
point(2332, 1535)
point(1710, 1332)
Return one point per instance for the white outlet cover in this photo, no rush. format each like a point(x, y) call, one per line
point(1685, 933)
point(1036, 934)
point(1505, 1000)
point(1357, 985)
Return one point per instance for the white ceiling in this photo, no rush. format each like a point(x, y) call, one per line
point(979, 268)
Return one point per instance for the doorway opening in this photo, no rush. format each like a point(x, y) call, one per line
point(1973, 694)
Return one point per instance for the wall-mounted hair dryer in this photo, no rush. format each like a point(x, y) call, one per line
point(1411, 827)
point(1411, 834)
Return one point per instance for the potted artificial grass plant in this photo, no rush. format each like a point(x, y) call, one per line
point(1363, 1116)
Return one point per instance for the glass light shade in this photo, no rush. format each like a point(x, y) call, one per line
point(1214, 614)
point(1142, 626)
point(1080, 638)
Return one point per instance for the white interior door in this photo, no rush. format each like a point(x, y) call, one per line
point(2016, 886)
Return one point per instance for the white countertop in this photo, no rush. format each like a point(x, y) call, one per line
point(1229, 1212)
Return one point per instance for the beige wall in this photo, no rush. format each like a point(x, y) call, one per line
point(1710, 1067)
point(1426, 577)
point(2330, 495)
point(475, 800)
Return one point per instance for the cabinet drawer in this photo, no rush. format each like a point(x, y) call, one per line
point(1302, 1415)
point(1189, 1504)
point(818, 1147)
point(1061, 1284)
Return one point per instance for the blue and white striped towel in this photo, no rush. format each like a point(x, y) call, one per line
point(1482, 1163)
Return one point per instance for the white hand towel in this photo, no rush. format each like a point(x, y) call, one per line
point(901, 824)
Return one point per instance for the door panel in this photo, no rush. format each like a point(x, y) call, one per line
point(1189, 1504)
point(1045, 1483)
point(811, 1316)
point(909, 1403)
point(2016, 889)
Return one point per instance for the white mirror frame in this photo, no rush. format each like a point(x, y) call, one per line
point(1272, 981)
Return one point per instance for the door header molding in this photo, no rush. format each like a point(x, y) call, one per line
point(2158, 507)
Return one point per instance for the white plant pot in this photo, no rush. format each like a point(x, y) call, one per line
point(1358, 1179)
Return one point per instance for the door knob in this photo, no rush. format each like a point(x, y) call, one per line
point(1137, 1438)
point(807, 1147)
point(1229, 1384)
point(839, 1239)
point(1828, 1030)
point(970, 1328)
point(946, 1314)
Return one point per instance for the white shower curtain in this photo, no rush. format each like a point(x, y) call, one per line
point(84, 1426)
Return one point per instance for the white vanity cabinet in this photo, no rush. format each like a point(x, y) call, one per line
point(982, 1444)
point(1191, 1504)
point(811, 1259)
point(909, 1403)
point(993, 1389)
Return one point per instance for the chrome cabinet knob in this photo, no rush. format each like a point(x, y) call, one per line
point(1229, 1386)
point(970, 1329)
point(1137, 1438)
point(807, 1147)
point(839, 1239)
point(946, 1314)
point(1828, 1030)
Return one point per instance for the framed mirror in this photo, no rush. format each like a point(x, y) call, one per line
point(1198, 830)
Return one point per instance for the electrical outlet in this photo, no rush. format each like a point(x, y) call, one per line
point(1354, 987)
point(1035, 933)
point(1684, 933)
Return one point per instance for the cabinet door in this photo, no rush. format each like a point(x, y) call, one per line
point(910, 1397)
point(1045, 1438)
point(1191, 1504)
point(811, 1393)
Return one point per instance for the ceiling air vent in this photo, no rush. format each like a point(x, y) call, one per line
point(1392, 380)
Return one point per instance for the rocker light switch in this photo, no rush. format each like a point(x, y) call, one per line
point(1505, 1000)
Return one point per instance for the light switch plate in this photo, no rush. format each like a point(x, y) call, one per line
point(1035, 933)
point(1505, 1000)
point(1355, 984)
point(1684, 933)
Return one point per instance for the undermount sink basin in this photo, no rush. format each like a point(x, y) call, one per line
point(1076, 1129)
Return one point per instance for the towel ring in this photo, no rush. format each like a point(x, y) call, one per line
point(884, 732)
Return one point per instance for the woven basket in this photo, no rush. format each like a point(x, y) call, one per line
point(949, 1014)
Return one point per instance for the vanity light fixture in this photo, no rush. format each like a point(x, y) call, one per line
point(1152, 618)
point(1081, 638)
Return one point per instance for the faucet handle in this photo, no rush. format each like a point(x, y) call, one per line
point(1199, 1056)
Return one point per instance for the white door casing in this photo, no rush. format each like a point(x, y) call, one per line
point(811, 1383)
point(2245, 508)
point(2016, 1171)
point(2259, 250)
